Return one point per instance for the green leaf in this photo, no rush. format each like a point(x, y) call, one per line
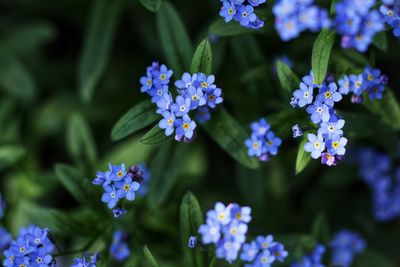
point(191, 218)
point(288, 80)
point(80, 141)
point(387, 109)
point(135, 119)
point(154, 137)
point(152, 5)
point(380, 41)
point(371, 258)
point(174, 39)
point(320, 228)
point(230, 135)
point(221, 28)
point(303, 157)
point(73, 180)
point(10, 154)
point(320, 54)
point(149, 257)
point(15, 79)
point(97, 45)
point(202, 59)
point(165, 170)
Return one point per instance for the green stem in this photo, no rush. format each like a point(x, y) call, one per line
point(213, 261)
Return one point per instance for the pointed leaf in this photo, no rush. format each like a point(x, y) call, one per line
point(155, 136)
point(97, 46)
point(149, 257)
point(230, 135)
point(303, 157)
point(288, 80)
point(387, 109)
point(174, 39)
point(152, 5)
point(320, 54)
point(191, 218)
point(202, 59)
point(80, 141)
point(138, 117)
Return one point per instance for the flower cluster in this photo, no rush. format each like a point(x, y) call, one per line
point(88, 260)
point(328, 143)
point(119, 183)
point(226, 227)
point(357, 23)
point(314, 259)
point(196, 91)
point(345, 245)
point(119, 248)
point(242, 12)
point(370, 81)
point(391, 15)
point(31, 248)
point(263, 141)
point(376, 170)
point(5, 239)
point(2, 206)
point(295, 16)
point(263, 252)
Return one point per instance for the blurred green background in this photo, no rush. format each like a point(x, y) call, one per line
point(69, 69)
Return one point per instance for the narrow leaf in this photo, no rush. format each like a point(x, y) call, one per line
point(221, 28)
point(174, 39)
point(303, 157)
point(320, 54)
point(154, 137)
point(387, 109)
point(288, 80)
point(202, 59)
point(149, 257)
point(80, 141)
point(190, 220)
point(152, 5)
point(97, 45)
point(138, 117)
point(230, 135)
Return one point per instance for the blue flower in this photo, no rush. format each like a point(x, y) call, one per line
point(265, 259)
point(255, 146)
point(256, 3)
point(220, 213)
point(241, 214)
point(187, 81)
point(272, 143)
point(329, 95)
point(312, 260)
point(310, 81)
point(375, 91)
point(265, 242)
point(205, 82)
point(117, 172)
point(345, 245)
point(163, 75)
point(5, 238)
point(210, 231)
point(40, 258)
point(297, 132)
point(127, 188)
point(164, 102)
point(118, 212)
point(146, 178)
point(357, 86)
point(157, 94)
point(192, 243)
point(181, 106)
point(119, 249)
point(260, 128)
point(245, 15)
point(101, 178)
point(336, 145)
point(110, 196)
point(227, 250)
point(203, 114)
point(344, 85)
point(146, 82)
point(319, 112)
point(328, 129)
point(197, 97)
point(88, 260)
point(228, 11)
point(279, 252)
point(315, 145)
point(184, 128)
point(287, 28)
point(304, 95)
point(236, 231)
point(249, 251)
point(167, 123)
point(214, 97)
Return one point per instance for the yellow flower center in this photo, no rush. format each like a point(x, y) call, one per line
point(370, 77)
point(149, 82)
point(269, 143)
point(221, 216)
point(317, 144)
point(127, 187)
point(163, 77)
point(211, 97)
point(170, 121)
point(238, 216)
point(255, 145)
point(204, 84)
point(265, 245)
point(120, 174)
point(328, 94)
point(230, 11)
point(335, 144)
point(234, 231)
point(186, 126)
point(264, 259)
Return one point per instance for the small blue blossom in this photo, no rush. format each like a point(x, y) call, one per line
point(328, 129)
point(255, 146)
point(265, 242)
point(210, 231)
point(181, 106)
point(329, 95)
point(184, 128)
point(5, 238)
point(168, 122)
point(314, 259)
point(260, 128)
point(228, 11)
point(315, 145)
point(272, 143)
point(119, 249)
point(187, 81)
point(118, 212)
point(88, 260)
point(336, 145)
point(203, 114)
point(245, 15)
point(304, 95)
point(249, 251)
point(127, 188)
point(213, 97)
point(297, 132)
point(319, 112)
point(279, 252)
point(265, 259)
point(242, 13)
point(197, 97)
point(164, 102)
point(145, 172)
point(345, 245)
point(192, 243)
point(227, 249)
point(162, 76)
